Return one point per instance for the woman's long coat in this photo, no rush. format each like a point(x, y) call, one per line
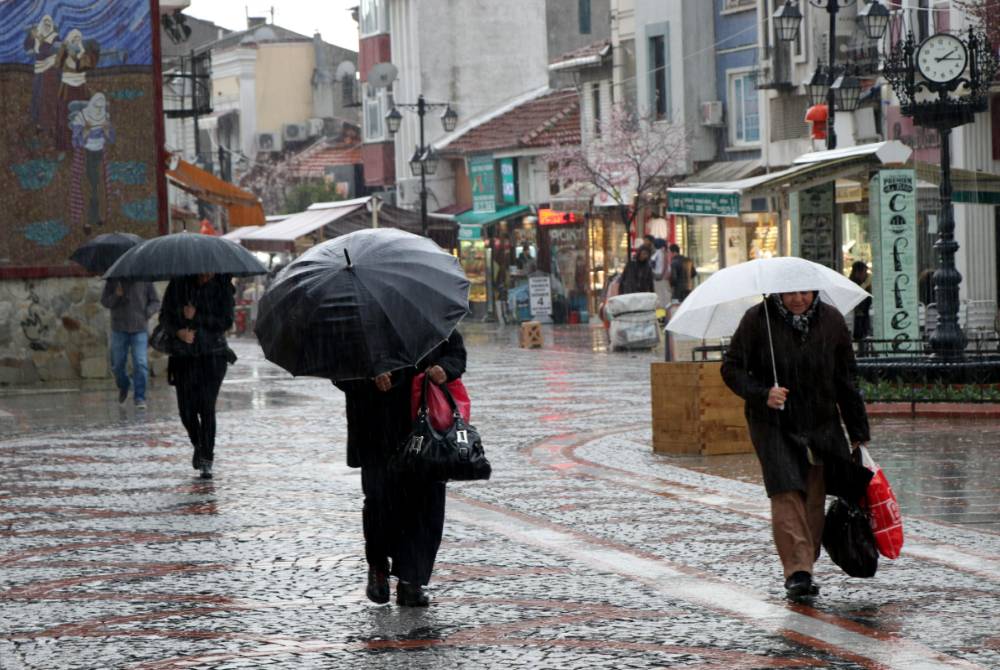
point(818, 373)
point(378, 422)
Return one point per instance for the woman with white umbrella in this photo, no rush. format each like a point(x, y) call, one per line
point(791, 360)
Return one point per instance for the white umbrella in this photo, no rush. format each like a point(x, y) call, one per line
point(715, 308)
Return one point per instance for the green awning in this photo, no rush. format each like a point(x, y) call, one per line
point(471, 218)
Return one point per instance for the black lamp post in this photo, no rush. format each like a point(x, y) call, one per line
point(424, 161)
point(874, 18)
point(951, 77)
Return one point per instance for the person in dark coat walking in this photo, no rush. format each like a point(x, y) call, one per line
point(796, 427)
point(198, 310)
point(638, 274)
point(403, 518)
point(682, 274)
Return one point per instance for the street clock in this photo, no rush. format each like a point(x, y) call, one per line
point(942, 58)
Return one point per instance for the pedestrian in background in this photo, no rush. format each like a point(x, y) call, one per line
point(862, 326)
point(682, 274)
point(796, 427)
point(403, 518)
point(638, 274)
point(198, 310)
point(661, 266)
point(132, 303)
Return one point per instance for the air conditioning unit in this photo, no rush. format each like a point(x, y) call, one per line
point(314, 127)
point(711, 113)
point(268, 142)
point(294, 132)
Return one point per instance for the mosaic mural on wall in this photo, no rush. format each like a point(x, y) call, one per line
point(79, 119)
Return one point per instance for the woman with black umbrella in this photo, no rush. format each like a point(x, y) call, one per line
point(197, 311)
point(403, 517)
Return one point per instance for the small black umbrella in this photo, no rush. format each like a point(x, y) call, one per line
point(184, 254)
point(100, 253)
point(362, 304)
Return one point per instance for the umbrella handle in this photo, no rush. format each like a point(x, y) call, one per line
point(770, 344)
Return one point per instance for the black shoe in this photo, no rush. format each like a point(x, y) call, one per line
point(378, 586)
point(122, 396)
point(411, 595)
point(800, 584)
point(206, 469)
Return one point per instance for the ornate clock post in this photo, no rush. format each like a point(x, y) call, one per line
point(942, 83)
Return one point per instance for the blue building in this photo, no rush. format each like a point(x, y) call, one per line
point(736, 27)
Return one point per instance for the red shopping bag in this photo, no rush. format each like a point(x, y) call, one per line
point(883, 510)
point(438, 409)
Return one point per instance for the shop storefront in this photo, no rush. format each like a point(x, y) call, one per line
point(488, 247)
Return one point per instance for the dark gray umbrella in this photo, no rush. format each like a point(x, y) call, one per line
point(362, 304)
point(183, 254)
point(100, 253)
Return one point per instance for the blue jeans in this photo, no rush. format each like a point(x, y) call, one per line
point(120, 344)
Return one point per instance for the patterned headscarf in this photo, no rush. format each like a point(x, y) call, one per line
point(798, 322)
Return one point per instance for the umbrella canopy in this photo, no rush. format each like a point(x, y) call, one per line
point(715, 308)
point(183, 254)
point(100, 253)
point(362, 304)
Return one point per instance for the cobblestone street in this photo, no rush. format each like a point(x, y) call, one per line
point(585, 550)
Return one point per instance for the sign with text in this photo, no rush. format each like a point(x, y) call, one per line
point(508, 181)
point(483, 182)
point(816, 234)
point(698, 203)
point(540, 294)
point(893, 202)
point(554, 217)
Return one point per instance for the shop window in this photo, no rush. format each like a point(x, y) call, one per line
point(595, 103)
point(744, 116)
point(733, 5)
point(584, 17)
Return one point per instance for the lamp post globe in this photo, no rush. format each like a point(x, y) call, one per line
point(392, 120)
point(787, 20)
point(817, 85)
point(847, 92)
point(430, 161)
point(416, 164)
point(449, 119)
point(874, 19)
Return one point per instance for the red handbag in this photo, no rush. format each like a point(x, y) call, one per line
point(883, 510)
point(438, 409)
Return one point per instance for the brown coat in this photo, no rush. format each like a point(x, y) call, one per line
point(818, 373)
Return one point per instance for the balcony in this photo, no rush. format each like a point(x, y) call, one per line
point(773, 71)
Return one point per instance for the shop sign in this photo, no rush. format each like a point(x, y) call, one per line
point(470, 231)
point(507, 181)
point(893, 202)
point(540, 294)
point(483, 182)
point(554, 217)
point(816, 215)
point(692, 203)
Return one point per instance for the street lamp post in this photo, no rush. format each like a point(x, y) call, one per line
point(942, 83)
point(843, 90)
point(424, 161)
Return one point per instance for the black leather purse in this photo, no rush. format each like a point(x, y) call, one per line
point(164, 342)
point(456, 454)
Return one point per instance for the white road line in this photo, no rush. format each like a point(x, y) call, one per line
point(714, 595)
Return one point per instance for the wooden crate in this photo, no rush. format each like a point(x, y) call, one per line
point(531, 335)
point(694, 412)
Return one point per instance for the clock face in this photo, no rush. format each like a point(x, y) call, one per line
point(942, 58)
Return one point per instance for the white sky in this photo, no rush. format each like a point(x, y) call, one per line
point(330, 17)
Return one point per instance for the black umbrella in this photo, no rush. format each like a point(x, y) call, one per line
point(362, 304)
point(184, 254)
point(100, 253)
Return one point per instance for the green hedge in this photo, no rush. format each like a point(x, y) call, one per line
point(898, 392)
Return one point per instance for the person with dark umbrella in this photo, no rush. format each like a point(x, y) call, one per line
point(797, 394)
point(403, 517)
point(198, 310)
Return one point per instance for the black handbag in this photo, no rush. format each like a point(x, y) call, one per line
point(164, 342)
point(456, 454)
point(848, 539)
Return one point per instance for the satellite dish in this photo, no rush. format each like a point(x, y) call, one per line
point(382, 75)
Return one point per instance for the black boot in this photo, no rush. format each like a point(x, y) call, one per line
point(206, 469)
point(411, 595)
point(378, 586)
point(196, 460)
point(800, 585)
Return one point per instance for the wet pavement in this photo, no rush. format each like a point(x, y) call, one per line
point(586, 550)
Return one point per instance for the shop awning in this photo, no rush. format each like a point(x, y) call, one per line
point(244, 208)
point(723, 198)
point(312, 223)
point(237, 234)
point(471, 223)
point(969, 186)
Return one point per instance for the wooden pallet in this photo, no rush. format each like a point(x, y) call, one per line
point(694, 412)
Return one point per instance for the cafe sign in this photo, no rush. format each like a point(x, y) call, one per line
point(895, 292)
point(483, 182)
point(703, 203)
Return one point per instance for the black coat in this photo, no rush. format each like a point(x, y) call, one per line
point(378, 422)
point(214, 313)
point(818, 373)
point(636, 278)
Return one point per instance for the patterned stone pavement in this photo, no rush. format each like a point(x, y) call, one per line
point(586, 550)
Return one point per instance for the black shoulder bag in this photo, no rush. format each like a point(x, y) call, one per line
point(456, 454)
